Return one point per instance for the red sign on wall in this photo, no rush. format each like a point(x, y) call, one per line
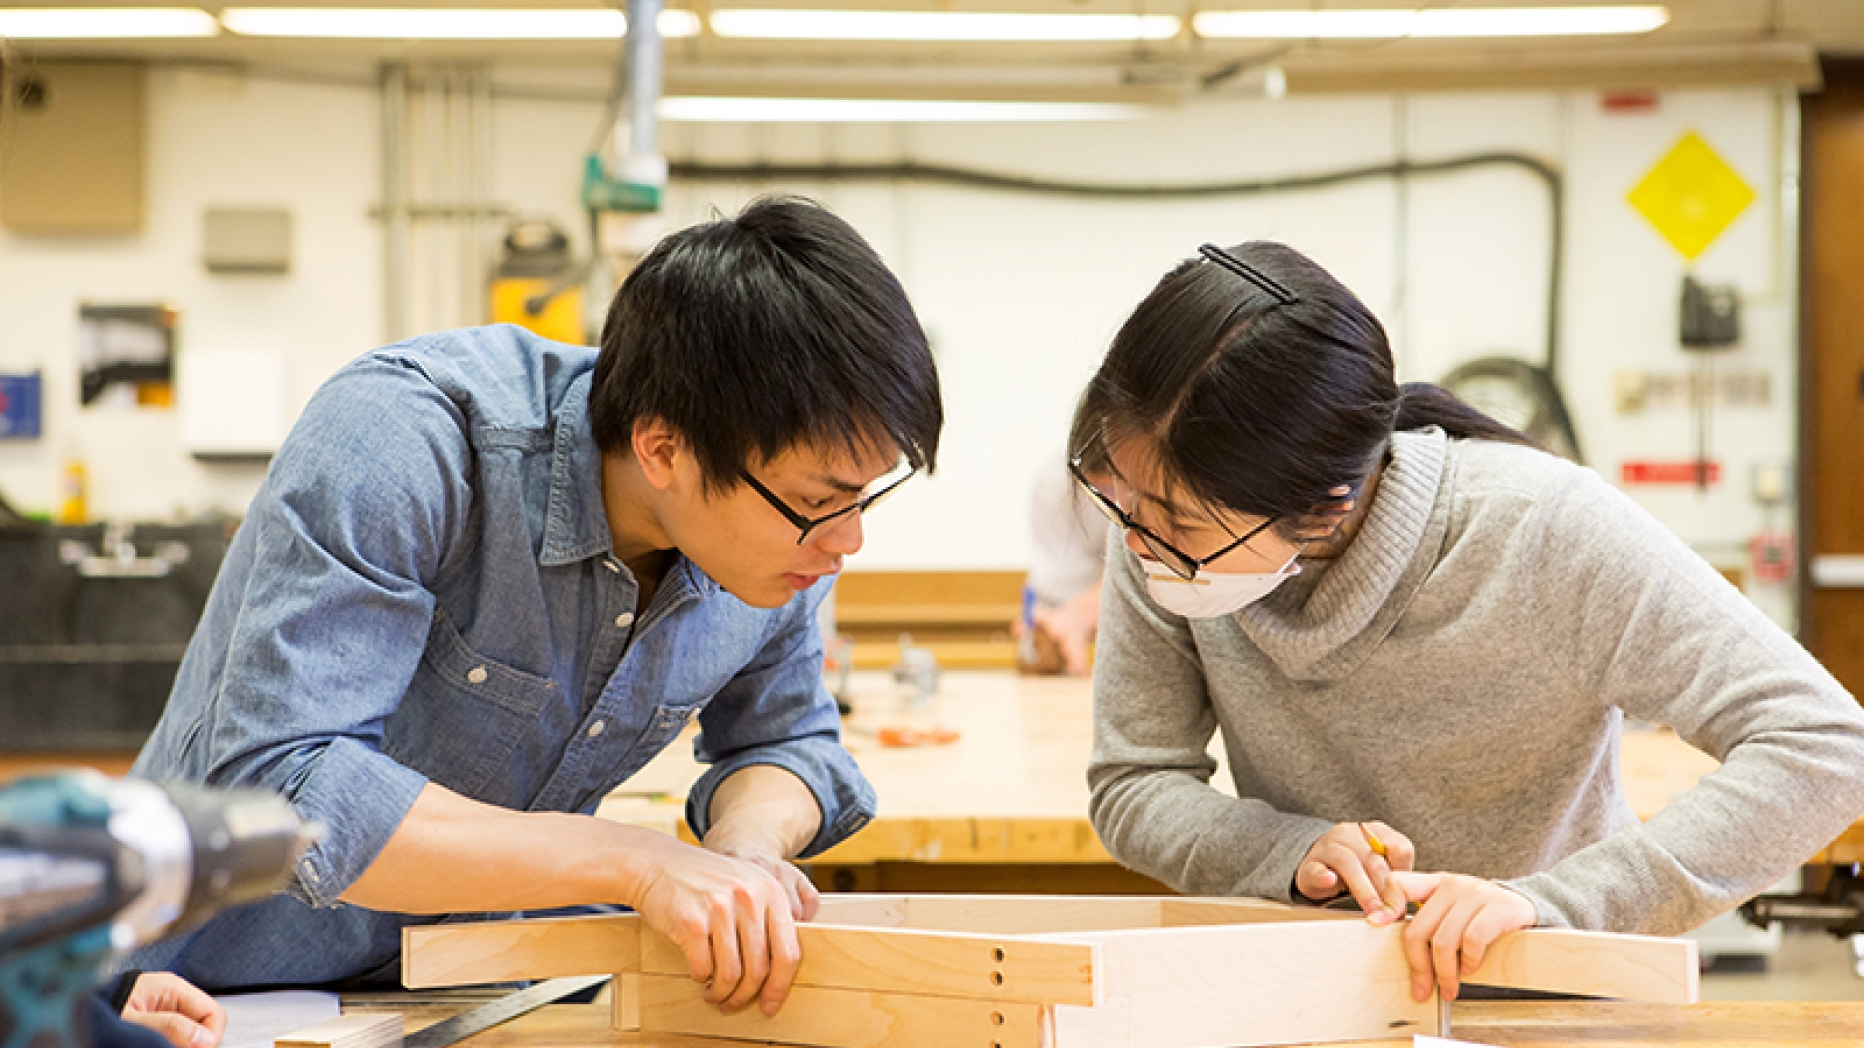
point(1670, 472)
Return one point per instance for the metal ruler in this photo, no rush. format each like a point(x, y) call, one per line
point(503, 1010)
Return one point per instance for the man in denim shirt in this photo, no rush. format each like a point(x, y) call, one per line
point(489, 577)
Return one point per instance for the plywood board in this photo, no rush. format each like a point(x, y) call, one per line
point(370, 1030)
point(1593, 964)
point(831, 1018)
point(506, 951)
point(1256, 984)
point(937, 964)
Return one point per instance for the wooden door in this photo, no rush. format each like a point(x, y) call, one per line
point(1832, 401)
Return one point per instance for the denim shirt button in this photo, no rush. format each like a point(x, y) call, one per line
point(624, 620)
point(596, 729)
point(476, 675)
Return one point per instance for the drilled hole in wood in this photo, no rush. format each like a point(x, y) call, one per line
point(997, 953)
point(996, 978)
point(996, 1018)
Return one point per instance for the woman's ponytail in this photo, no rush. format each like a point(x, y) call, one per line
point(1422, 404)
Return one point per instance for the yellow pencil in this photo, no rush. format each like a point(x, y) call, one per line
point(1372, 840)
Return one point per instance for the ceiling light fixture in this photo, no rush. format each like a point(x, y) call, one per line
point(966, 26)
point(1341, 24)
point(386, 23)
point(104, 23)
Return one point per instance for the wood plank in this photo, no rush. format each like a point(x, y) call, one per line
point(1519, 1024)
point(936, 964)
point(1595, 964)
point(1030, 914)
point(372, 1030)
point(849, 614)
point(831, 1018)
point(1261, 984)
point(506, 951)
point(972, 839)
point(866, 588)
point(626, 1000)
point(871, 911)
point(1182, 913)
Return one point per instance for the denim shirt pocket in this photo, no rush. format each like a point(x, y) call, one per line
point(464, 713)
point(660, 731)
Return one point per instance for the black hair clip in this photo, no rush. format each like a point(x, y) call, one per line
point(1213, 253)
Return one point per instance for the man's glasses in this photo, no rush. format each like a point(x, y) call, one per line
point(807, 525)
point(1182, 564)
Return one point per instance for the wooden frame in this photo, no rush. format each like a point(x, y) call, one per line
point(906, 971)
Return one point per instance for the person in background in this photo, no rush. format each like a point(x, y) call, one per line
point(1061, 596)
point(489, 577)
point(1420, 635)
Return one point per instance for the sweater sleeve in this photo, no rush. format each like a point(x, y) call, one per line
point(1649, 627)
point(1152, 803)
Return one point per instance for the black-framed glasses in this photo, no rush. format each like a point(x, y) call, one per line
point(1182, 564)
point(807, 525)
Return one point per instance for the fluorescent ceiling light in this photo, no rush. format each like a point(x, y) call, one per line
point(773, 24)
point(699, 109)
point(389, 23)
point(104, 23)
point(1446, 22)
point(1540, 21)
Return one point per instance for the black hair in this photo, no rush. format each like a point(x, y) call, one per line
point(1264, 399)
point(755, 334)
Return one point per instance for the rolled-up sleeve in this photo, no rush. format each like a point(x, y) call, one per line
point(777, 711)
point(319, 619)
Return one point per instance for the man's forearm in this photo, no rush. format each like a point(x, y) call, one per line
point(766, 809)
point(452, 854)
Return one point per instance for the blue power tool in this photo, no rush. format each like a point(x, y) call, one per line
point(91, 867)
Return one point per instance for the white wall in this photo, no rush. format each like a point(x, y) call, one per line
point(1020, 293)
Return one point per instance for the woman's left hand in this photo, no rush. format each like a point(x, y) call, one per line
point(175, 1008)
point(1457, 920)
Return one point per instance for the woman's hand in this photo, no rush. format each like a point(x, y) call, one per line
point(1344, 858)
point(1459, 918)
point(177, 1009)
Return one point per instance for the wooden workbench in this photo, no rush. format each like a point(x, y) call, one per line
point(1005, 807)
point(1598, 1024)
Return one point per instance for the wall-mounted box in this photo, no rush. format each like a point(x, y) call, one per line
point(231, 403)
point(20, 405)
point(246, 240)
point(73, 162)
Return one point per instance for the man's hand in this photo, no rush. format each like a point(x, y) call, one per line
point(178, 1010)
point(733, 920)
point(1458, 921)
point(805, 900)
point(1344, 859)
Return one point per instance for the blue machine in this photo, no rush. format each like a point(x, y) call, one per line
point(90, 867)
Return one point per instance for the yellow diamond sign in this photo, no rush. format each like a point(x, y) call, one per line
point(1691, 196)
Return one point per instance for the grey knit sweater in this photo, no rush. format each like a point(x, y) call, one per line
point(1461, 673)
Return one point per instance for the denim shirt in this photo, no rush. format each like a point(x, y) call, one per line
point(423, 590)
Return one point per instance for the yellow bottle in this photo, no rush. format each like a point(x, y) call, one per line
point(72, 507)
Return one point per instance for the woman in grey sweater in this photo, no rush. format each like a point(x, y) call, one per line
point(1420, 635)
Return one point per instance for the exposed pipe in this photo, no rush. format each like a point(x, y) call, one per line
point(913, 171)
point(395, 223)
point(640, 144)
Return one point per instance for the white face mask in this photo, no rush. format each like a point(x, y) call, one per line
point(1211, 595)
